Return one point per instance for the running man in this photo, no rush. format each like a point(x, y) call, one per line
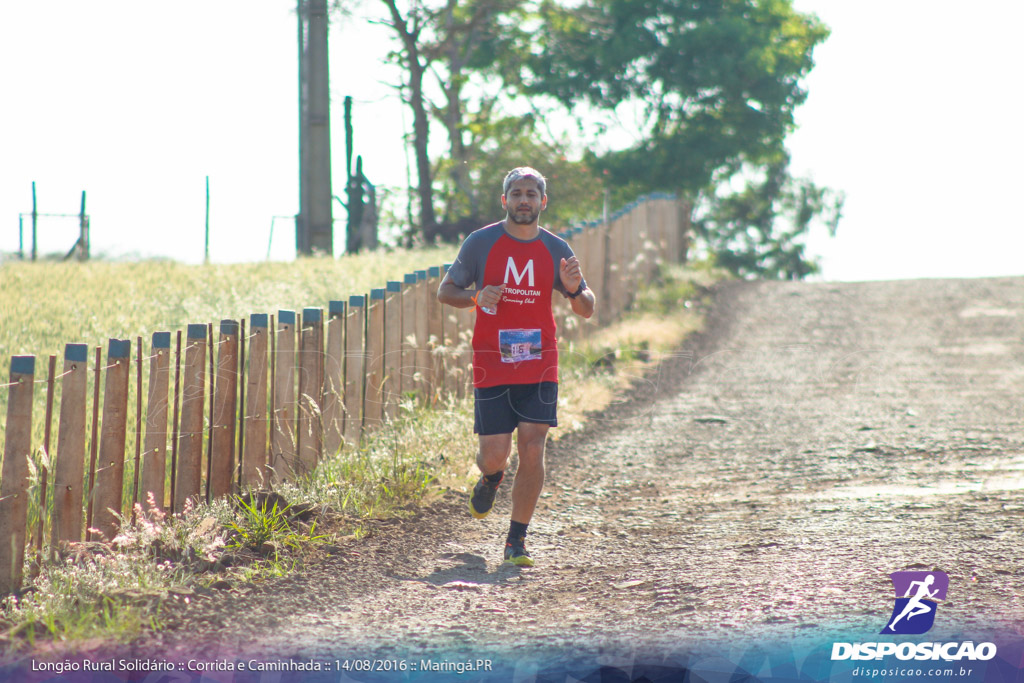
point(508, 271)
point(915, 606)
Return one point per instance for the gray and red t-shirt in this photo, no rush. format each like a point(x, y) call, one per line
point(516, 345)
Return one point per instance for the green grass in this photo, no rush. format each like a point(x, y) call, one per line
point(45, 305)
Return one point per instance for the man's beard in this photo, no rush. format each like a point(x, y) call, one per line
point(524, 217)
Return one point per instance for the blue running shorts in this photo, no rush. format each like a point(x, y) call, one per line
point(500, 409)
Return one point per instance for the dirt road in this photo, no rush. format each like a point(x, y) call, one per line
point(759, 489)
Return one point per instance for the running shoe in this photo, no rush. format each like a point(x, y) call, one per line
point(516, 553)
point(482, 500)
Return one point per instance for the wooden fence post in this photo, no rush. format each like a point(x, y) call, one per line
point(626, 254)
point(655, 249)
point(435, 336)
point(240, 417)
point(408, 371)
point(611, 270)
point(47, 453)
point(660, 230)
point(94, 441)
point(15, 476)
point(615, 266)
point(355, 368)
point(188, 478)
point(254, 456)
point(683, 225)
point(673, 226)
point(640, 251)
point(107, 495)
point(225, 407)
point(282, 435)
point(568, 322)
point(582, 246)
point(451, 330)
point(69, 470)
point(373, 405)
point(334, 378)
point(392, 349)
point(574, 331)
point(154, 459)
point(176, 417)
point(464, 357)
point(310, 425)
point(599, 268)
point(422, 324)
point(584, 241)
point(137, 437)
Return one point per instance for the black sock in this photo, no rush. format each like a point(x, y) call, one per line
point(517, 531)
point(496, 477)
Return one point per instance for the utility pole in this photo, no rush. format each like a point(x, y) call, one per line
point(314, 225)
point(206, 249)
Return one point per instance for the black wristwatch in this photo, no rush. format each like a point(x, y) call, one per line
point(582, 288)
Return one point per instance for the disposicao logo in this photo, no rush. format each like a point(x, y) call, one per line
point(913, 613)
point(917, 598)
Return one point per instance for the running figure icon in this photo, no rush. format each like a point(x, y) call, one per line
point(915, 606)
point(917, 598)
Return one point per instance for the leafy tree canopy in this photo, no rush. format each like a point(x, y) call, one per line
point(719, 79)
point(716, 84)
point(759, 230)
point(575, 188)
point(719, 82)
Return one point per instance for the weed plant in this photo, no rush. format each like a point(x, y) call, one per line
point(262, 522)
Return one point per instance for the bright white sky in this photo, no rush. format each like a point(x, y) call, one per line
point(914, 112)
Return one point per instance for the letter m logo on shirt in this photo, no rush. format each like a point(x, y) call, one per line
point(511, 269)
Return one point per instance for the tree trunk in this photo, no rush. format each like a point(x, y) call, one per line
point(421, 136)
point(421, 122)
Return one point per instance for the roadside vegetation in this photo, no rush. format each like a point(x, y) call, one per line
point(115, 593)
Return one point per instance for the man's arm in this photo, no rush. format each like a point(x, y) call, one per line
point(572, 277)
point(583, 305)
point(450, 293)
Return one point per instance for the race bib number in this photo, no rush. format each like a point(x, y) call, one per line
point(519, 345)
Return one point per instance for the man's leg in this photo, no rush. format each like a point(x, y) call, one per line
point(492, 459)
point(525, 490)
point(494, 453)
point(530, 475)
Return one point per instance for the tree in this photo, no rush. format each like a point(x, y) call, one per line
point(409, 28)
point(466, 36)
point(719, 82)
point(498, 144)
point(759, 230)
point(474, 50)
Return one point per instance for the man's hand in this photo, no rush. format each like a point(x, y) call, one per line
point(489, 296)
point(570, 273)
point(572, 277)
